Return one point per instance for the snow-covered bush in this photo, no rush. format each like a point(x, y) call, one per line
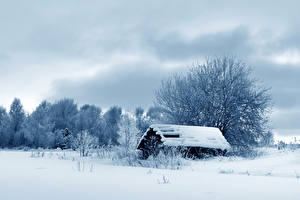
point(128, 134)
point(85, 142)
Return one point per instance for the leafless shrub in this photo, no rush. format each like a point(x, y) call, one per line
point(85, 142)
point(228, 171)
point(297, 174)
point(163, 180)
point(37, 153)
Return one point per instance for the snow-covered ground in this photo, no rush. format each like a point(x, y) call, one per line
point(55, 176)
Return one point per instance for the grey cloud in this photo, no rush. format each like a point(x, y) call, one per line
point(128, 87)
point(287, 41)
point(291, 40)
point(174, 46)
point(287, 120)
point(100, 28)
point(3, 57)
point(284, 82)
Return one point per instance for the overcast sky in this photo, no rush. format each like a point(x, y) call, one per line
point(116, 52)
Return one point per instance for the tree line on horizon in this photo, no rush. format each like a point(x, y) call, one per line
point(54, 125)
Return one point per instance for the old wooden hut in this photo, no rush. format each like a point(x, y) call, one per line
point(192, 141)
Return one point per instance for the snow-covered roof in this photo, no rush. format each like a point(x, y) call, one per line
point(193, 136)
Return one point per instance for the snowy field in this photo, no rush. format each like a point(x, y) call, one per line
point(24, 175)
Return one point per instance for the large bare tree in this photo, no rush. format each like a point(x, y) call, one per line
point(220, 93)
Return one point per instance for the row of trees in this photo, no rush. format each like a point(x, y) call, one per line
point(63, 125)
